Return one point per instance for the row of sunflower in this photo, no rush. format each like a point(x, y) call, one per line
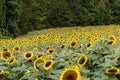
point(87, 53)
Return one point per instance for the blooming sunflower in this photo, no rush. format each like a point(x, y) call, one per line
point(4, 49)
point(82, 60)
point(50, 51)
point(38, 61)
point(16, 48)
point(112, 70)
point(6, 55)
point(48, 64)
point(62, 46)
point(112, 40)
point(12, 60)
point(71, 73)
point(28, 55)
point(40, 55)
point(89, 45)
point(72, 44)
point(4, 72)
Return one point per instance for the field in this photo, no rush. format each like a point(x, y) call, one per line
point(75, 53)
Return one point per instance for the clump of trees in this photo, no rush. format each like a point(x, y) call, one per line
point(20, 16)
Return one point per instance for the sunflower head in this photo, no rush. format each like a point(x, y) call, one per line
point(12, 60)
point(50, 51)
point(4, 48)
point(38, 61)
point(16, 48)
point(73, 43)
point(112, 70)
point(40, 55)
point(89, 45)
point(28, 55)
point(62, 46)
point(48, 64)
point(6, 55)
point(71, 73)
point(82, 60)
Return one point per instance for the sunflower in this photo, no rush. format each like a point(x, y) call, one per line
point(40, 55)
point(38, 61)
point(112, 40)
point(16, 48)
point(112, 70)
point(117, 58)
point(48, 64)
point(6, 55)
point(28, 55)
point(89, 45)
point(62, 46)
point(71, 73)
point(5, 49)
point(82, 60)
point(72, 44)
point(50, 51)
point(12, 60)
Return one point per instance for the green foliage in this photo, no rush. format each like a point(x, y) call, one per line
point(20, 16)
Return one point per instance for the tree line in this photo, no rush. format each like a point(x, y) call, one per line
point(20, 16)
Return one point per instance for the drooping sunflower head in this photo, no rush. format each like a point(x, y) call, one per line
point(48, 64)
point(28, 55)
point(12, 60)
point(82, 60)
point(112, 70)
point(38, 61)
point(6, 55)
point(71, 73)
point(16, 48)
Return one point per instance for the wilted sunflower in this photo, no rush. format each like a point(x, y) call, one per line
point(48, 64)
point(38, 61)
point(6, 55)
point(89, 45)
point(16, 48)
point(82, 60)
point(12, 60)
point(28, 55)
point(112, 70)
point(117, 58)
point(71, 73)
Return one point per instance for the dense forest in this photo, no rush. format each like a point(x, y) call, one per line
point(20, 16)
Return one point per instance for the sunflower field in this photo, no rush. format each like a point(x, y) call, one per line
point(74, 53)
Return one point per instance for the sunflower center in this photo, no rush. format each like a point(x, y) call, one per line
point(73, 43)
point(62, 46)
point(11, 60)
point(70, 75)
point(88, 45)
point(118, 59)
point(82, 60)
point(47, 64)
point(16, 48)
point(6, 55)
point(50, 51)
point(112, 70)
point(28, 55)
